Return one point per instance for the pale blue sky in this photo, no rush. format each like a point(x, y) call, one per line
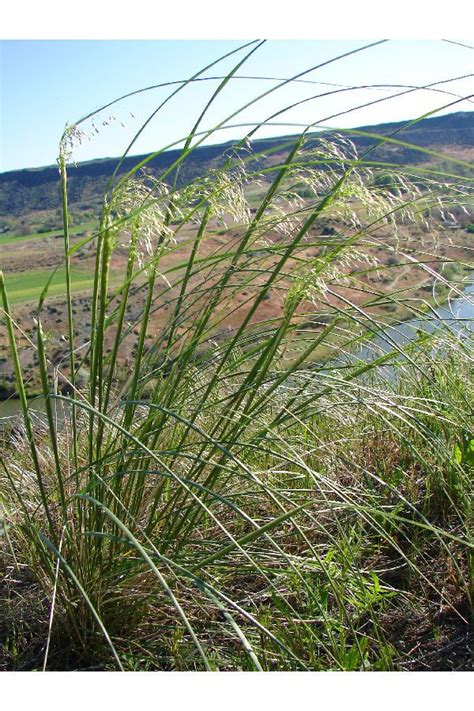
point(45, 84)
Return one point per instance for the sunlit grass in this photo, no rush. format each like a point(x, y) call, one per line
point(12, 239)
point(28, 285)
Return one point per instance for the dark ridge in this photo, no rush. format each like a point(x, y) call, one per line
point(38, 188)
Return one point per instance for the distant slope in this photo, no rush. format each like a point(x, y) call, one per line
point(26, 190)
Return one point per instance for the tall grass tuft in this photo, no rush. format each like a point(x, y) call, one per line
point(245, 482)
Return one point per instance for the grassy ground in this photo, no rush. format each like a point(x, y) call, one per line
point(28, 285)
point(12, 239)
point(371, 571)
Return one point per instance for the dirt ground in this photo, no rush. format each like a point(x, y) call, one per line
point(383, 270)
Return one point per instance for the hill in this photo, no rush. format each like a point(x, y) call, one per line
point(29, 190)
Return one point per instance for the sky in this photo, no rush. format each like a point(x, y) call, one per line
point(48, 83)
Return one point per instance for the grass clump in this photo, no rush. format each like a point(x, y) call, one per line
point(224, 492)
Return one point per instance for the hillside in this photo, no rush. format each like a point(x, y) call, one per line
point(24, 191)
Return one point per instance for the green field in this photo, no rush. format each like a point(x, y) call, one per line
point(27, 286)
point(15, 239)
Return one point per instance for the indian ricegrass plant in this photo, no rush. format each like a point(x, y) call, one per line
point(220, 495)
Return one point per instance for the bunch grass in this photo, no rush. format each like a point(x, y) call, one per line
point(242, 497)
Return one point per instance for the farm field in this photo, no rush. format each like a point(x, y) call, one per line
point(12, 239)
point(28, 285)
